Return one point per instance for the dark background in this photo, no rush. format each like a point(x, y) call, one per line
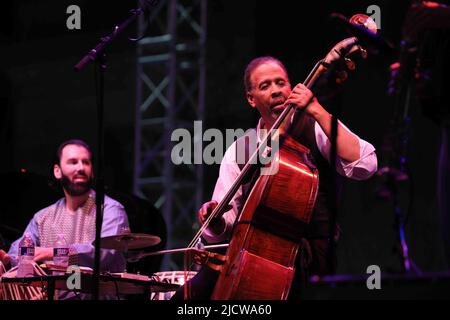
point(44, 102)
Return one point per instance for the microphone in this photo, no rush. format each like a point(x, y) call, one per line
point(365, 30)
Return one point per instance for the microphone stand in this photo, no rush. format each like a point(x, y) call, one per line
point(396, 146)
point(98, 55)
point(333, 184)
point(360, 27)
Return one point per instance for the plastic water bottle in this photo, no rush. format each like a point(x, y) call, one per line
point(61, 252)
point(26, 256)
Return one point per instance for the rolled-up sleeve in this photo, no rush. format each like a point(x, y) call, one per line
point(360, 169)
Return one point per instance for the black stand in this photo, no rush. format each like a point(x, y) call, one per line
point(375, 45)
point(100, 67)
point(98, 55)
point(333, 200)
point(396, 146)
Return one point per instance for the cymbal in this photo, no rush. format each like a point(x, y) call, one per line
point(366, 33)
point(127, 241)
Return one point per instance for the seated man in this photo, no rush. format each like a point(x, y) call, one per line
point(74, 215)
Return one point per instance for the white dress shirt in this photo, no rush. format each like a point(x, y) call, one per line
point(360, 169)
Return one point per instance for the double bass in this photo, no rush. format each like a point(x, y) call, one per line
point(260, 259)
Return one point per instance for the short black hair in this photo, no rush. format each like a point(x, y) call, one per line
point(256, 63)
point(77, 142)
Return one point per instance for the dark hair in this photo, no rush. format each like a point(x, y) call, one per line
point(77, 142)
point(256, 63)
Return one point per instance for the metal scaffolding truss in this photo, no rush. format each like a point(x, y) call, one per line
point(170, 94)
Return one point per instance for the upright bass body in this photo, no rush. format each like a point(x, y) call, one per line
point(265, 241)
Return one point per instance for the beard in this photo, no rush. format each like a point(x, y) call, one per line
point(76, 188)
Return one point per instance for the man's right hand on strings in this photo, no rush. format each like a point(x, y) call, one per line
point(216, 225)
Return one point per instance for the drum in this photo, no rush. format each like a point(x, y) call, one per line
point(173, 277)
point(14, 291)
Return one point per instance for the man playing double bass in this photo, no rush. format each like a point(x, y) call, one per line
point(268, 89)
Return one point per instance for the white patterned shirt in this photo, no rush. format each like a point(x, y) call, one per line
point(78, 228)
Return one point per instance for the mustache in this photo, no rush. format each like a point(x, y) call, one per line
point(76, 188)
point(277, 106)
point(278, 101)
